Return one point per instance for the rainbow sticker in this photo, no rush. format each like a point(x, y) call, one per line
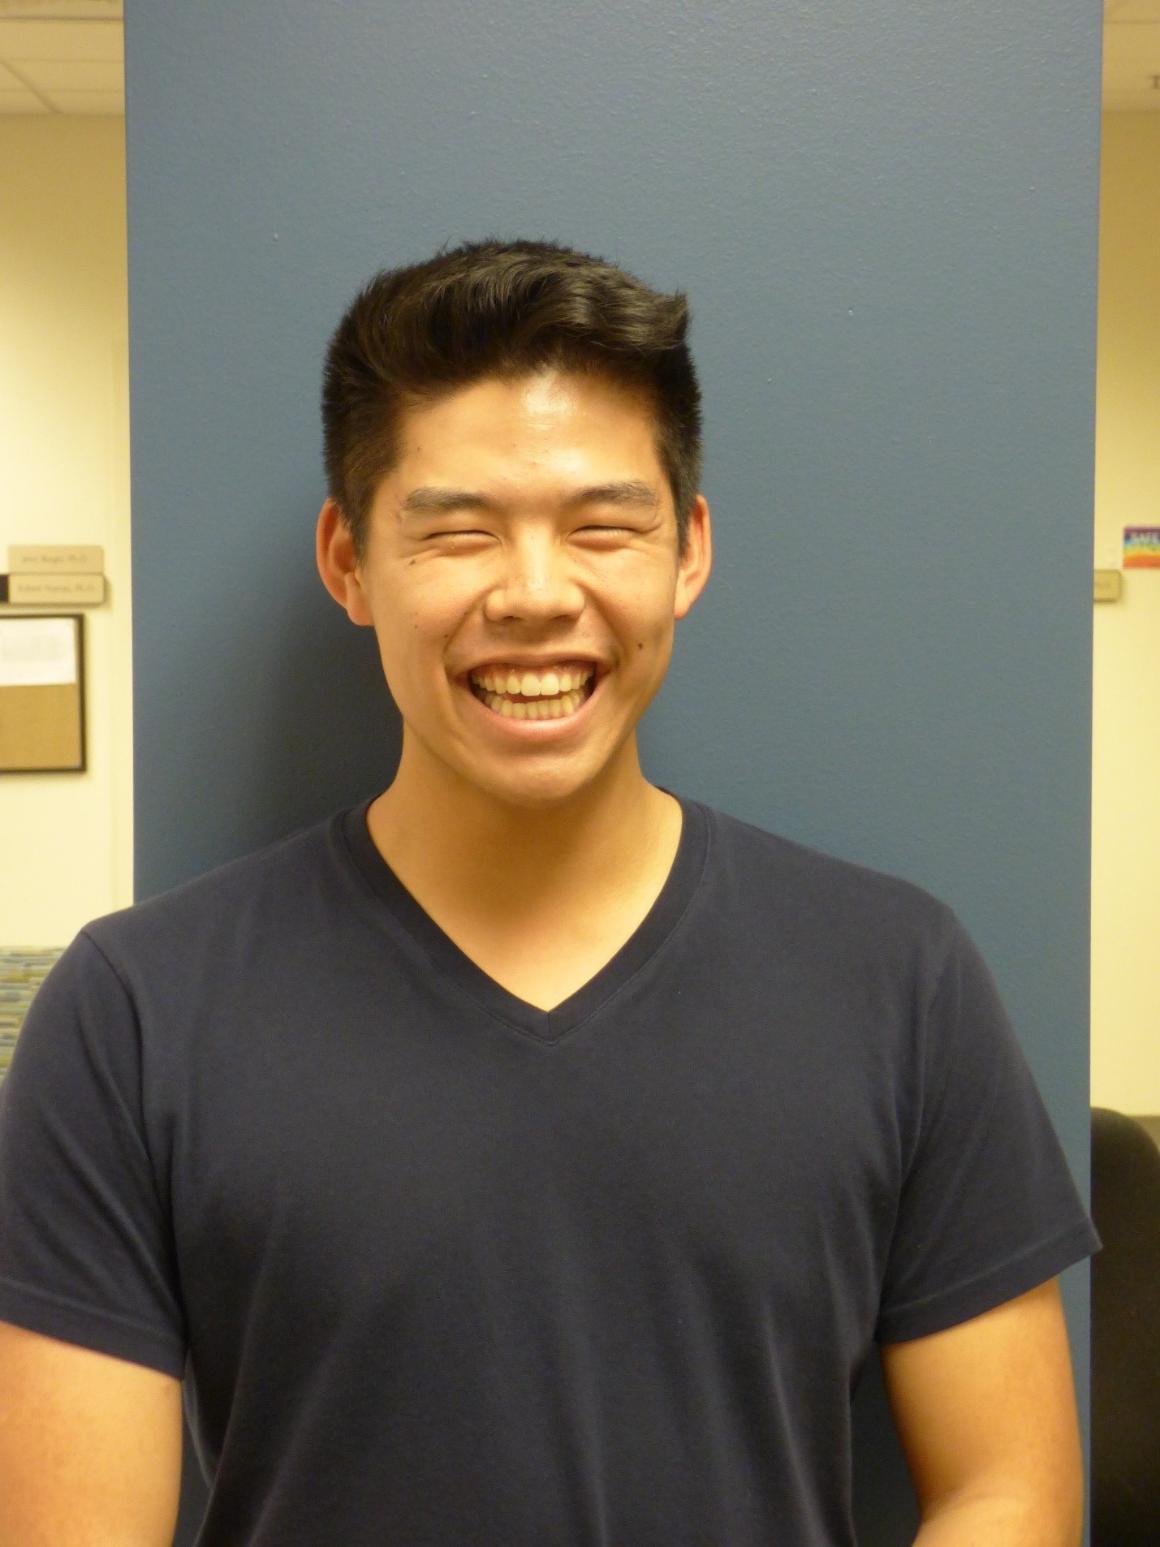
point(1142, 547)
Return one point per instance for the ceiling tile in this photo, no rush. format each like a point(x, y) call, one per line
point(12, 102)
point(104, 104)
point(1131, 10)
point(72, 74)
point(61, 40)
point(62, 10)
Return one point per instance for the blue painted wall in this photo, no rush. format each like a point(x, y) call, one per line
point(885, 216)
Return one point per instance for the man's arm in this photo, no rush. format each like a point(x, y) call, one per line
point(90, 1447)
point(986, 1415)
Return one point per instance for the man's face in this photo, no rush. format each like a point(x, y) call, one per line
point(522, 576)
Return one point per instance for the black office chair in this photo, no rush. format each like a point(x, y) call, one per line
point(1125, 1484)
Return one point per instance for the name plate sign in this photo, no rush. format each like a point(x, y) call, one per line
point(55, 559)
point(52, 590)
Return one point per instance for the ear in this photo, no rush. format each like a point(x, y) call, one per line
point(334, 553)
point(697, 560)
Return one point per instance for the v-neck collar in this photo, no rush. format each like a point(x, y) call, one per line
point(459, 971)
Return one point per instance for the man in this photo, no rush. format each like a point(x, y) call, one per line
point(527, 1156)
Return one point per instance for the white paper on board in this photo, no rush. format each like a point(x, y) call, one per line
point(37, 652)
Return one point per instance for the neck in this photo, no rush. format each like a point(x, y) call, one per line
point(451, 842)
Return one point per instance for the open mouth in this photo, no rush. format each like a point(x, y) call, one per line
point(517, 693)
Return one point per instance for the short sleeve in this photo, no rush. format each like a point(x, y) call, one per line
point(86, 1250)
point(988, 1207)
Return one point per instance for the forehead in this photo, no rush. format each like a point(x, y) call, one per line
point(550, 422)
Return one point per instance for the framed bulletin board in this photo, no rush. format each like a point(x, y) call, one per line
point(42, 694)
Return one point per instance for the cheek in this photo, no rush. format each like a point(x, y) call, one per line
point(438, 594)
point(414, 629)
point(640, 596)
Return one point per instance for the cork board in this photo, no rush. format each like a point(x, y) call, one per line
point(42, 695)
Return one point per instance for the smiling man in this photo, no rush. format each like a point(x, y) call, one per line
point(527, 1155)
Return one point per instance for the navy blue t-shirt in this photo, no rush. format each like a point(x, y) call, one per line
point(443, 1268)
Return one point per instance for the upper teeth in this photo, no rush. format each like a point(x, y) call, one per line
point(531, 684)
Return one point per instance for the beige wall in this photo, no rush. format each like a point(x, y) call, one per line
point(66, 839)
point(1126, 722)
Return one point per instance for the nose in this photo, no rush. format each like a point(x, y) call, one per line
point(535, 583)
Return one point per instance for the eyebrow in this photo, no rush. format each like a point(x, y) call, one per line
point(431, 501)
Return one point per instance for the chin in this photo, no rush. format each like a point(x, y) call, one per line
point(540, 792)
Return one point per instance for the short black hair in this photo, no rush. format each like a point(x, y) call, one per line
point(500, 308)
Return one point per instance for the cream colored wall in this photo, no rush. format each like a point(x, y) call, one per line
point(1126, 719)
point(66, 839)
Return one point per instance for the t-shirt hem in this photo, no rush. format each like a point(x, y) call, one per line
point(36, 1310)
point(936, 1313)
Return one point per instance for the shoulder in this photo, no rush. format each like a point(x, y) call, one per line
point(806, 895)
point(235, 907)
